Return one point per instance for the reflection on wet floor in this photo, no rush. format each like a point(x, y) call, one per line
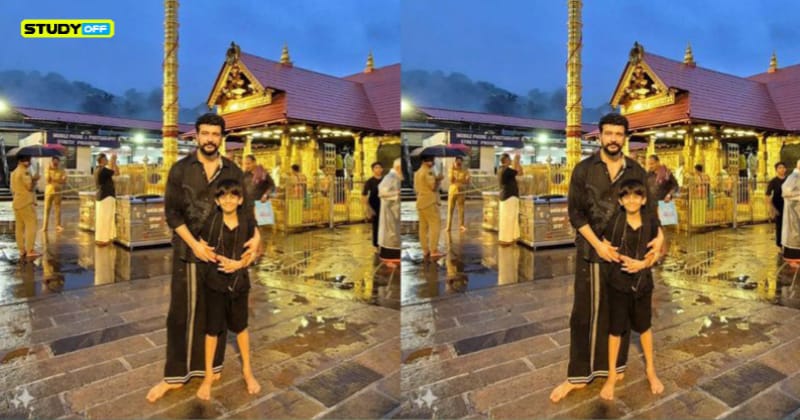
point(339, 262)
point(743, 262)
point(70, 260)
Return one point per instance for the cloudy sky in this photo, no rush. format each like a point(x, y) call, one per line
point(332, 37)
point(522, 44)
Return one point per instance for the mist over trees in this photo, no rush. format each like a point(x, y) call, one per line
point(457, 91)
point(53, 91)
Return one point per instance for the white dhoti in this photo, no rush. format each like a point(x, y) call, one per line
point(105, 226)
point(508, 220)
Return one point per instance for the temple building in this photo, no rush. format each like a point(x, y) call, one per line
point(736, 127)
point(286, 114)
point(691, 115)
point(328, 125)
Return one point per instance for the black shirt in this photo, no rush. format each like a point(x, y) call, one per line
point(774, 188)
point(104, 183)
point(371, 189)
point(593, 198)
point(189, 198)
point(255, 191)
point(631, 243)
point(508, 183)
point(230, 244)
point(660, 190)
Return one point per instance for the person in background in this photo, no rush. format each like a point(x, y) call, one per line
point(23, 201)
point(775, 199)
point(371, 200)
point(105, 227)
point(389, 229)
point(56, 178)
point(508, 208)
point(426, 185)
point(459, 182)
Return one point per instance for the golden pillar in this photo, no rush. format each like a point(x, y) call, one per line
point(761, 173)
point(285, 162)
point(370, 151)
point(688, 149)
point(774, 156)
point(713, 156)
point(574, 107)
point(358, 159)
point(626, 147)
point(222, 149)
point(248, 146)
point(651, 145)
point(169, 106)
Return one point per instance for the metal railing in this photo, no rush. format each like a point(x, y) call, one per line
point(730, 201)
point(536, 180)
point(320, 201)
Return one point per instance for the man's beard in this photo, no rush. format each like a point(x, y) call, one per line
point(609, 152)
point(211, 153)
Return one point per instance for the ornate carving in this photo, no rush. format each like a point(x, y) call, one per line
point(237, 84)
point(640, 86)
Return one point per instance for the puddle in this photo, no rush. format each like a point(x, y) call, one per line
point(418, 354)
point(705, 300)
point(720, 332)
point(317, 333)
point(14, 354)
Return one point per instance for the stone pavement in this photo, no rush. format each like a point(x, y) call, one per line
point(725, 323)
point(94, 353)
point(92, 347)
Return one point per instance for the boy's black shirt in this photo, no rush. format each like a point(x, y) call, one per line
point(230, 244)
point(631, 243)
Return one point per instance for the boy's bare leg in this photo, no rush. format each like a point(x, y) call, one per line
point(204, 392)
point(656, 387)
point(243, 339)
point(607, 393)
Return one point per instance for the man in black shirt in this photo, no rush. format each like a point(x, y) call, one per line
point(371, 201)
point(592, 200)
point(189, 202)
point(775, 200)
point(508, 206)
point(105, 201)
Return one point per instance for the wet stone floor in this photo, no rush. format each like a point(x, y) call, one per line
point(83, 337)
point(725, 316)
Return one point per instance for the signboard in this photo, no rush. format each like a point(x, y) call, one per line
point(77, 139)
point(485, 140)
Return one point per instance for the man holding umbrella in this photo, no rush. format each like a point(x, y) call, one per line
point(24, 203)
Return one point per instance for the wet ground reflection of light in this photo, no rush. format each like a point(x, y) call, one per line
point(742, 263)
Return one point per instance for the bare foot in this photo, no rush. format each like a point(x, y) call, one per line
point(607, 393)
point(463, 228)
point(253, 386)
point(656, 387)
point(620, 377)
point(436, 255)
point(563, 389)
point(159, 390)
point(59, 228)
point(204, 392)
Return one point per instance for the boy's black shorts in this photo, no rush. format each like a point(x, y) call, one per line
point(628, 311)
point(225, 311)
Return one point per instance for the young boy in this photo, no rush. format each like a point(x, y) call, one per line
point(227, 284)
point(630, 283)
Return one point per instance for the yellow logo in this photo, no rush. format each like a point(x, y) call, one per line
point(67, 28)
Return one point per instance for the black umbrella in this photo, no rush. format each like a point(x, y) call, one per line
point(442, 150)
point(38, 150)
